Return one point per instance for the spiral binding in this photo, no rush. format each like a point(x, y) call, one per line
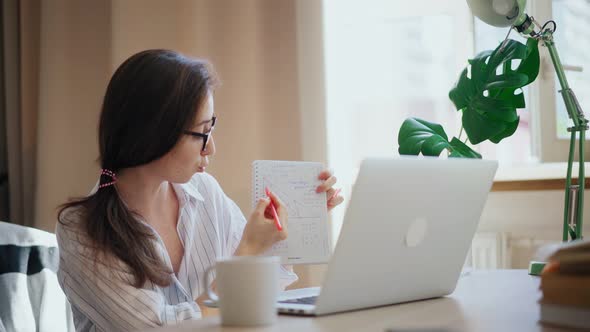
point(255, 183)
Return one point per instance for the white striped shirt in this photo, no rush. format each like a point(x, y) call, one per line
point(103, 297)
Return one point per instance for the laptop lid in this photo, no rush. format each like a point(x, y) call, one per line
point(406, 232)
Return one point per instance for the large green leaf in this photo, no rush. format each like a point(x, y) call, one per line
point(489, 97)
point(461, 150)
point(417, 135)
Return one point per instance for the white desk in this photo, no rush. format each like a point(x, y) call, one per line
point(503, 300)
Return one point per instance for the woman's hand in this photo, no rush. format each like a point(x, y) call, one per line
point(327, 186)
point(261, 231)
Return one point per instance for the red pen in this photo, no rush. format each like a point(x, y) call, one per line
point(335, 194)
point(274, 211)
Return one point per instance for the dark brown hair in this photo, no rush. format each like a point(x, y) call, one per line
point(150, 100)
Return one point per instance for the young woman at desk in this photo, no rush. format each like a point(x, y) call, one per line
point(133, 253)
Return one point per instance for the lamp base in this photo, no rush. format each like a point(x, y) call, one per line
point(535, 268)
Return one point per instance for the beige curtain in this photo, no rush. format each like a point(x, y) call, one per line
point(75, 66)
point(4, 29)
point(252, 44)
point(20, 61)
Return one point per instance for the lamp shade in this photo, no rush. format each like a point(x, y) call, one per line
point(499, 13)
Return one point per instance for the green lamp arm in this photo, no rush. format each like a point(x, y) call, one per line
point(574, 194)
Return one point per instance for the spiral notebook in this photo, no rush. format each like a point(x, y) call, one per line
point(294, 182)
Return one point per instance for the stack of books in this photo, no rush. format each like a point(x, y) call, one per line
point(565, 284)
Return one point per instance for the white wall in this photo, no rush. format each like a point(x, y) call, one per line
point(531, 219)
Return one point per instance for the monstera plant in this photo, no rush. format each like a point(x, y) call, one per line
point(488, 93)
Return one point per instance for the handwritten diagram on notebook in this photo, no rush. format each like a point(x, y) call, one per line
point(294, 182)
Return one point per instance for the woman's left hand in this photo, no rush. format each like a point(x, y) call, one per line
point(327, 186)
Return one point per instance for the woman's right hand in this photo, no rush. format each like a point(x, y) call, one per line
point(261, 231)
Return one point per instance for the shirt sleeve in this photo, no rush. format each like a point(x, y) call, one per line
point(106, 295)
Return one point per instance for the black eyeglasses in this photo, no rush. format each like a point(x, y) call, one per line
point(204, 136)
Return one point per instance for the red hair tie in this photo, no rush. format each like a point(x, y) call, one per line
point(110, 174)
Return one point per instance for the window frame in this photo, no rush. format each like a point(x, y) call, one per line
point(313, 98)
point(546, 145)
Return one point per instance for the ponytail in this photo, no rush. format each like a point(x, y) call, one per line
point(116, 231)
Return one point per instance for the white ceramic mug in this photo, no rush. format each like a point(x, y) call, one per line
point(248, 288)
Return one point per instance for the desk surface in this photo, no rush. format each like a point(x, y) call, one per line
point(499, 300)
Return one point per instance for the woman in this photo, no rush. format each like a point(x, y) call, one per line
point(133, 253)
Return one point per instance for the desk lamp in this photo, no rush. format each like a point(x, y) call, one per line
point(510, 13)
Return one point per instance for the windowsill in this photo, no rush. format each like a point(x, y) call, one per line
point(541, 176)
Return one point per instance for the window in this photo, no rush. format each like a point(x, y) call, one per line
point(572, 40)
point(384, 61)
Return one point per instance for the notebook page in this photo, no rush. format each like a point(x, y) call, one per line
point(294, 182)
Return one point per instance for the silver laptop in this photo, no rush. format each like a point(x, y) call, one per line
point(405, 236)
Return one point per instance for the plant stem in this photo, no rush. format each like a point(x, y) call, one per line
point(460, 133)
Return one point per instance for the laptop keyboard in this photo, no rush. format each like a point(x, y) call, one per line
point(302, 300)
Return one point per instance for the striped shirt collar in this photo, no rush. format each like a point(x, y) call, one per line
point(190, 190)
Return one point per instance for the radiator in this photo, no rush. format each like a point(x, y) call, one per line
point(490, 251)
point(504, 250)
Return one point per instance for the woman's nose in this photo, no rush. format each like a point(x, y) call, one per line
point(210, 148)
